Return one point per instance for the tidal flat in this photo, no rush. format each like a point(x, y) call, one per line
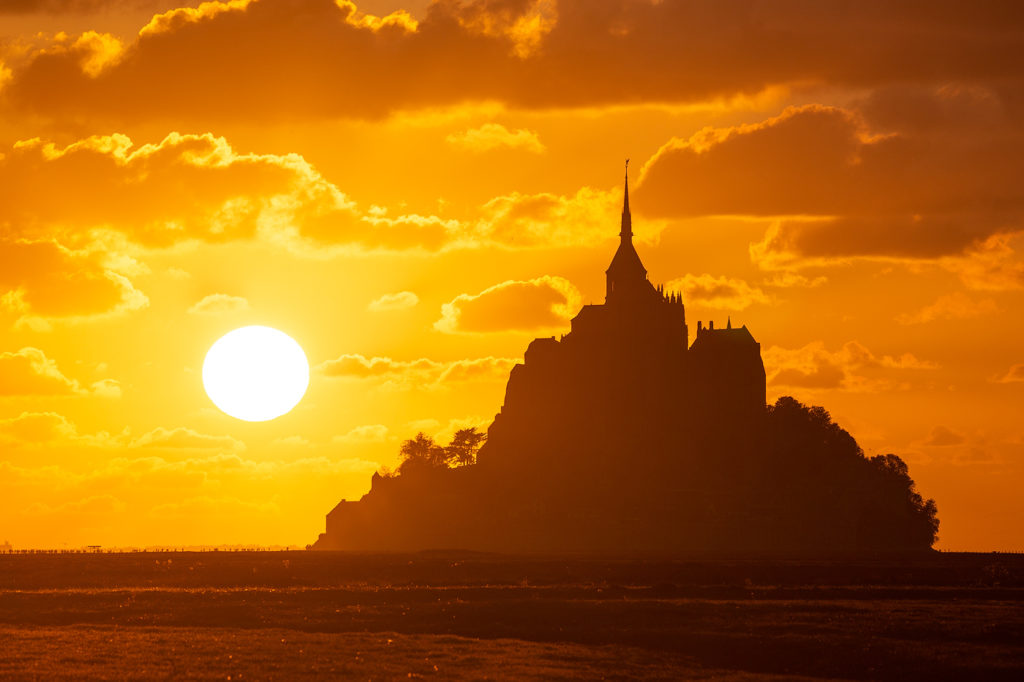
point(460, 615)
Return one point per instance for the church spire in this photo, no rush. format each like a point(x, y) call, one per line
point(627, 276)
point(627, 220)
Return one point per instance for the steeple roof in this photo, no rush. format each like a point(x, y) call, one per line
point(626, 264)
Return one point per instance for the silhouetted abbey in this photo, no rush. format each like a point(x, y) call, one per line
point(622, 436)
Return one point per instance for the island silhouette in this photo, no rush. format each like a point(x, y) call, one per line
point(622, 436)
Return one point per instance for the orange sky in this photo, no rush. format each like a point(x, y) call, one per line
point(415, 190)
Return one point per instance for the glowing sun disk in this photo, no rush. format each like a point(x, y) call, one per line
point(255, 373)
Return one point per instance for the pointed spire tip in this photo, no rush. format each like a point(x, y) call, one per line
point(627, 220)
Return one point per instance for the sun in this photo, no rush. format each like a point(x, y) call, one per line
point(255, 373)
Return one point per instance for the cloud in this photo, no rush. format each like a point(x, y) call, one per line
point(38, 427)
point(28, 372)
point(783, 280)
point(219, 304)
point(119, 197)
point(203, 506)
point(799, 242)
point(477, 369)
point(496, 136)
point(183, 438)
point(993, 266)
point(955, 306)
point(717, 292)
point(358, 366)
point(108, 388)
point(51, 428)
point(826, 177)
point(397, 301)
point(942, 436)
point(95, 505)
point(369, 433)
point(62, 6)
point(546, 302)
point(292, 59)
point(185, 187)
point(43, 281)
point(525, 220)
point(420, 372)
point(292, 442)
point(1013, 375)
point(851, 368)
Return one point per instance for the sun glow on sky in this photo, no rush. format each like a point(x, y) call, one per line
point(255, 373)
point(415, 190)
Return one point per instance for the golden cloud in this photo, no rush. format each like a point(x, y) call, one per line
point(118, 197)
point(182, 438)
point(848, 183)
point(205, 505)
point(420, 372)
point(52, 428)
point(477, 369)
point(292, 442)
point(58, 6)
point(219, 304)
point(943, 436)
point(784, 280)
point(496, 136)
point(527, 220)
point(43, 281)
point(546, 302)
point(397, 301)
point(295, 58)
point(38, 427)
point(994, 265)
point(1013, 375)
point(185, 187)
point(722, 292)
point(358, 366)
point(852, 368)
point(179, 18)
point(369, 433)
point(955, 306)
point(28, 372)
point(93, 505)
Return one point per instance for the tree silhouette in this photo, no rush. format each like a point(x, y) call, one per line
point(896, 514)
point(422, 452)
point(824, 487)
point(464, 446)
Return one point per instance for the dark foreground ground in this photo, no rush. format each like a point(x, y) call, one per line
point(286, 615)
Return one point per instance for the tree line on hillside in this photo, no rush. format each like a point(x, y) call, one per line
point(818, 477)
point(792, 473)
point(423, 453)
